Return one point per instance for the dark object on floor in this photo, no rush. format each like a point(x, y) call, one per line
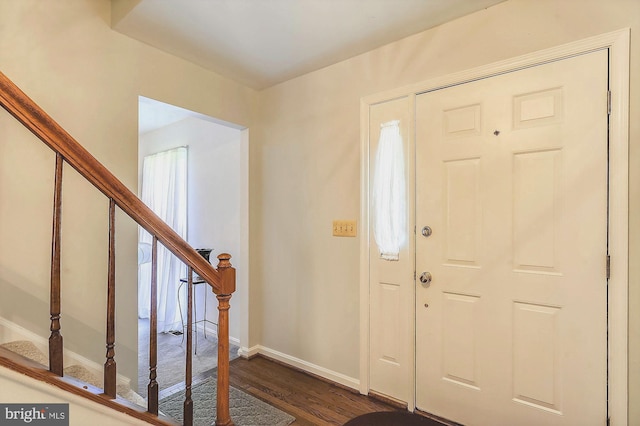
point(391, 418)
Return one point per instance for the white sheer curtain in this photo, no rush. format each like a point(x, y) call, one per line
point(164, 190)
point(389, 192)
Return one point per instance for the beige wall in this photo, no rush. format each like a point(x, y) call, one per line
point(305, 164)
point(67, 58)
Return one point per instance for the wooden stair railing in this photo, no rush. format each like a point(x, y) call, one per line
point(221, 279)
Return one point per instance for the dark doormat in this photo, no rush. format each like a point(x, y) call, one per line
point(392, 418)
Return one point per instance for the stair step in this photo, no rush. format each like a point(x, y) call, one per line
point(29, 350)
point(37, 371)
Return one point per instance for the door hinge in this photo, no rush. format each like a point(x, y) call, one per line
point(608, 266)
point(608, 102)
point(608, 421)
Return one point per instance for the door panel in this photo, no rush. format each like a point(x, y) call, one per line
point(462, 211)
point(511, 175)
point(391, 284)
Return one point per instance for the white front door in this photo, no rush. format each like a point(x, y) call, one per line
point(511, 177)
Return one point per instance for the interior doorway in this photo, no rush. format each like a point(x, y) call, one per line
point(216, 201)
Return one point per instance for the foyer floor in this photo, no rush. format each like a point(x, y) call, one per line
point(311, 400)
point(171, 357)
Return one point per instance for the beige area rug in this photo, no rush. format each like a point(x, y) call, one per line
point(245, 410)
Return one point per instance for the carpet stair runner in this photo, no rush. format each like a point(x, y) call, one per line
point(27, 349)
point(246, 410)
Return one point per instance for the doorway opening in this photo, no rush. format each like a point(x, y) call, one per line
point(214, 155)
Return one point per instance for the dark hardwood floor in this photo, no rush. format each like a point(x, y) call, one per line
point(312, 401)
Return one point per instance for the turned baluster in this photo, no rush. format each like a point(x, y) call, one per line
point(152, 389)
point(188, 403)
point(110, 364)
point(228, 274)
point(55, 340)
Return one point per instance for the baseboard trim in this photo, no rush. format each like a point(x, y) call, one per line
point(302, 365)
point(211, 330)
point(248, 353)
point(10, 331)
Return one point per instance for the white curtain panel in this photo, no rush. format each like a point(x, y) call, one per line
point(389, 192)
point(164, 190)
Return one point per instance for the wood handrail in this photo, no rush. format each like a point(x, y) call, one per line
point(27, 112)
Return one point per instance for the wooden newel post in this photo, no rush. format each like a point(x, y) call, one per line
point(228, 274)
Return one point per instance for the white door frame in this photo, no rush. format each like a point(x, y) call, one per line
point(617, 43)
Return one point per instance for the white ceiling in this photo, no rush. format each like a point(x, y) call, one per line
point(153, 115)
point(260, 43)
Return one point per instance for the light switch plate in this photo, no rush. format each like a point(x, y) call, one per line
point(345, 228)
